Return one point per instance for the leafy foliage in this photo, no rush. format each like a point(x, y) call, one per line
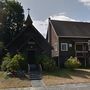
point(6, 61)
point(1, 45)
point(14, 20)
point(12, 64)
point(2, 19)
point(2, 13)
point(72, 63)
point(21, 61)
point(18, 57)
point(47, 63)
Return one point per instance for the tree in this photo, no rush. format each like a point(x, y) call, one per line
point(1, 14)
point(2, 19)
point(14, 20)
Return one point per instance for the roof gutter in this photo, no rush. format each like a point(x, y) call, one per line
point(73, 36)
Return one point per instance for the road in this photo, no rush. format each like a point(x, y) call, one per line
point(60, 87)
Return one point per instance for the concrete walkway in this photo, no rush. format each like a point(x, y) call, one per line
point(59, 87)
point(37, 83)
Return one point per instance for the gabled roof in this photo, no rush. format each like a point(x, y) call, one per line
point(28, 32)
point(71, 29)
point(25, 36)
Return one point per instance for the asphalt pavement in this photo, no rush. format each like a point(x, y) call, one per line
point(81, 86)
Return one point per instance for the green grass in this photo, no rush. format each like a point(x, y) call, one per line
point(65, 73)
point(64, 76)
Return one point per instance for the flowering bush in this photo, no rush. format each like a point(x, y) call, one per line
point(72, 63)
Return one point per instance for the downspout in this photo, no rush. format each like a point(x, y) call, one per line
point(58, 53)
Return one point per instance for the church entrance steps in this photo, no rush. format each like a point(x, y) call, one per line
point(34, 72)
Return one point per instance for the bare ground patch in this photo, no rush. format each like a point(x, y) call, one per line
point(6, 82)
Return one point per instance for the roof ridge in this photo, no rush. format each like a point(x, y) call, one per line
point(71, 21)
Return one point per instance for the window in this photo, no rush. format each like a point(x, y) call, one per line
point(64, 47)
point(79, 47)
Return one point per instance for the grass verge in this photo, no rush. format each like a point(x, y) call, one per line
point(7, 82)
point(66, 76)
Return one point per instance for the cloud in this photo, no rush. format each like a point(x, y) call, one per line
point(61, 16)
point(42, 25)
point(85, 2)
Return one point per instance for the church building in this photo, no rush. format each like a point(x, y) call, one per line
point(30, 42)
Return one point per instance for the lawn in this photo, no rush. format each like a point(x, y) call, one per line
point(7, 82)
point(65, 76)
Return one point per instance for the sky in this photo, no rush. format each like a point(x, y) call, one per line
point(67, 10)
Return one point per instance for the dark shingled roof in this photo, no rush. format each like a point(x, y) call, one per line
point(28, 21)
point(71, 29)
point(25, 36)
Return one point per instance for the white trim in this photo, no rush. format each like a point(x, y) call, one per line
point(53, 28)
point(66, 46)
point(83, 51)
point(56, 46)
point(81, 42)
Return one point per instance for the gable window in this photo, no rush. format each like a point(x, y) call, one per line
point(64, 47)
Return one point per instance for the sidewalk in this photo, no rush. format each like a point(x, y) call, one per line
point(81, 86)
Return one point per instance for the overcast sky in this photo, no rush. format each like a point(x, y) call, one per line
point(41, 10)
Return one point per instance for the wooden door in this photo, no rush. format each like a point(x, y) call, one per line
point(31, 57)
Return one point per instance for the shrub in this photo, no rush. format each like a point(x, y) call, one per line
point(21, 61)
point(6, 61)
point(72, 63)
point(17, 59)
point(48, 64)
point(12, 64)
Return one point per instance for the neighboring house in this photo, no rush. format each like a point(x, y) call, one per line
point(67, 39)
point(30, 42)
